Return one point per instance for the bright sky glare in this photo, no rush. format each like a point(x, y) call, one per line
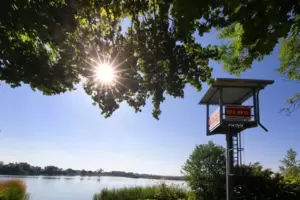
point(105, 73)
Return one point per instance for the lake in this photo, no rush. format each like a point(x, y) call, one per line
point(77, 188)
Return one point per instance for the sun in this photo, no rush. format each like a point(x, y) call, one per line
point(105, 73)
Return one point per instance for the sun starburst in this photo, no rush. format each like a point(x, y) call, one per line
point(105, 73)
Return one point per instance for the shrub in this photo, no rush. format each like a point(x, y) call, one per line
point(160, 192)
point(13, 190)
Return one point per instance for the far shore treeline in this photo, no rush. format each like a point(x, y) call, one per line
point(26, 169)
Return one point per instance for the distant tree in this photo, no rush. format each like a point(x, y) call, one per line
point(24, 168)
point(70, 172)
point(290, 167)
point(89, 173)
point(51, 170)
point(83, 173)
point(99, 171)
point(37, 170)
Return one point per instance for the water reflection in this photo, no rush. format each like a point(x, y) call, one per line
point(50, 177)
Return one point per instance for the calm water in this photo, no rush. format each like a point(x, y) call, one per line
point(76, 188)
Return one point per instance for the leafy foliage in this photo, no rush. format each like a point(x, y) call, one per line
point(250, 30)
point(264, 25)
point(290, 65)
point(289, 56)
point(53, 45)
point(205, 171)
point(254, 28)
point(32, 34)
point(205, 174)
point(291, 167)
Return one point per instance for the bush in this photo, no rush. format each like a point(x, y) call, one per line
point(160, 192)
point(205, 172)
point(13, 190)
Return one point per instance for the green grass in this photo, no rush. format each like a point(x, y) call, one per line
point(159, 192)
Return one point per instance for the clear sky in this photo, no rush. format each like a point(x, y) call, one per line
point(67, 131)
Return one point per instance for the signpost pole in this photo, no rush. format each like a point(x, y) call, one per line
point(232, 112)
point(229, 166)
point(207, 119)
point(229, 156)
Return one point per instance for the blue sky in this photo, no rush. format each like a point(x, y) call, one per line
point(67, 131)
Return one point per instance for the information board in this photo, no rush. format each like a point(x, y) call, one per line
point(238, 113)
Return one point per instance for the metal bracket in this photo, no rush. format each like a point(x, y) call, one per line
point(258, 114)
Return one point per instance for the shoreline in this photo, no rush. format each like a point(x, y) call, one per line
point(152, 177)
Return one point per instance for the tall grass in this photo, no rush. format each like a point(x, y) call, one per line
point(159, 192)
point(13, 190)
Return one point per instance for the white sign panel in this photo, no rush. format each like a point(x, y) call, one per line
point(214, 119)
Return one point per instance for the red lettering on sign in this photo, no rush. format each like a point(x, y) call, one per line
point(239, 112)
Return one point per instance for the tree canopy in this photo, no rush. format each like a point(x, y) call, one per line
point(205, 171)
point(250, 30)
point(54, 45)
point(291, 167)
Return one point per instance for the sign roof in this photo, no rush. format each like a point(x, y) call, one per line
point(235, 91)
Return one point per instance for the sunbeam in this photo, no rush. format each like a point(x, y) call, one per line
point(105, 73)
